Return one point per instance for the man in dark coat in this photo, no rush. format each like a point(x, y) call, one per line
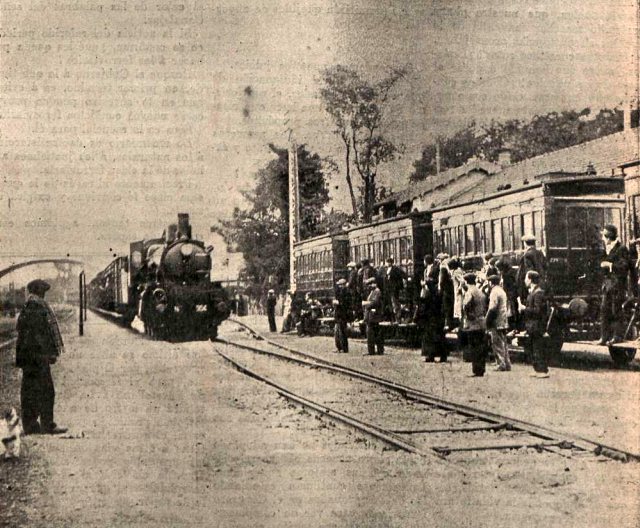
point(535, 323)
point(447, 290)
point(616, 265)
point(532, 260)
point(271, 310)
point(394, 283)
point(352, 286)
point(342, 315)
point(373, 316)
point(39, 345)
point(429, 319)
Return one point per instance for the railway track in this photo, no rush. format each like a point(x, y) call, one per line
point(443, 428)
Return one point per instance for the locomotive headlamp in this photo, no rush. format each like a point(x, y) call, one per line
point(186, 250)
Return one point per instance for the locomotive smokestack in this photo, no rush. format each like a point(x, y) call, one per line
point(184, 228)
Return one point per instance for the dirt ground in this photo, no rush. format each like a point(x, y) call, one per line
point(174, 437)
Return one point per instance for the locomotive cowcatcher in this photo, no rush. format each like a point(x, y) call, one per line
point(166, 282)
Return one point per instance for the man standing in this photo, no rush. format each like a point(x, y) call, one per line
point(372, 316)
point(342, 315)
point(615, 265)
point(535, 323)
point(394, 283)
point(38, 347)
point(474, 308)
point(532, 260)
point(497, 323)
point(352, 285)
point(429, 319)
point(271, 310)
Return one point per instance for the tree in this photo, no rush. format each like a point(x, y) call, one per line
point(261, 231)
point(357, 110)
point(526, 139)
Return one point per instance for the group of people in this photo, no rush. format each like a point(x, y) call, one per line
point(484, 304)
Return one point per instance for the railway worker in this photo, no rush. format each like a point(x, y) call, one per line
point(474, 309)
point(342, 314)
point(497, 323)
point(394, 283)
point(532, 260)
point(616, 266)
point(39, 346)
point(271, 310)
point(372, 317)
point(428, 318)
point(535, 323)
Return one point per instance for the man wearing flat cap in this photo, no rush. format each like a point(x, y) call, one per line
point(373, 316)
point(532, 260)
point(39, 345)
point(342, 315)
point(615, 265)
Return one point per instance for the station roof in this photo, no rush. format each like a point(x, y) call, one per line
point(602, 157)
point(438, 188)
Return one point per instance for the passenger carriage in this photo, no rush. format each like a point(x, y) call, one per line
point(566, 212)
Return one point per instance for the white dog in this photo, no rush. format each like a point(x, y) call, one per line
point(11, 434)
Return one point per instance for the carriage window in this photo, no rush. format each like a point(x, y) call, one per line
point(446, 241)
point(538, 227)
point(576, 224)
point(507, 235)
point(479, 239)
point(488, 237)
point(557, 235)
point(497, 236)
point(517, 232)
point(460, 240)
point(454, 241)
point(527, 227)
point(612, 216)
point(437, 242)
point(595, 223)
point(470, 245)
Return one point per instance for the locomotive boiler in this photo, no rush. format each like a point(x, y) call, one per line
point(166, 282)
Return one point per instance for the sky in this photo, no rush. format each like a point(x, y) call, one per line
point(119, 115)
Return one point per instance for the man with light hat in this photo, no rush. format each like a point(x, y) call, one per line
point(271, 310)
point(372, 317)
point(342, 315)
point(532, 260)
point(615, 265)
point(38, 347)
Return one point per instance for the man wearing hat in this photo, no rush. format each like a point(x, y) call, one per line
point(532, 260)
point(394, 283)
point(342, 315)
point(352, 286)
point(535, 323)
point(496, 321)
point(615, 265)
point(373, 316)
point(38, 347)
point(271, 310)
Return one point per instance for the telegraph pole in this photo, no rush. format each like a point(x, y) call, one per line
point(294, 208)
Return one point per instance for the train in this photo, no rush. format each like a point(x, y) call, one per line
point(493, 209)
point(166, 282)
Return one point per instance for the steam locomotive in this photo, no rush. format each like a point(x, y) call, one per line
point(166, 283)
